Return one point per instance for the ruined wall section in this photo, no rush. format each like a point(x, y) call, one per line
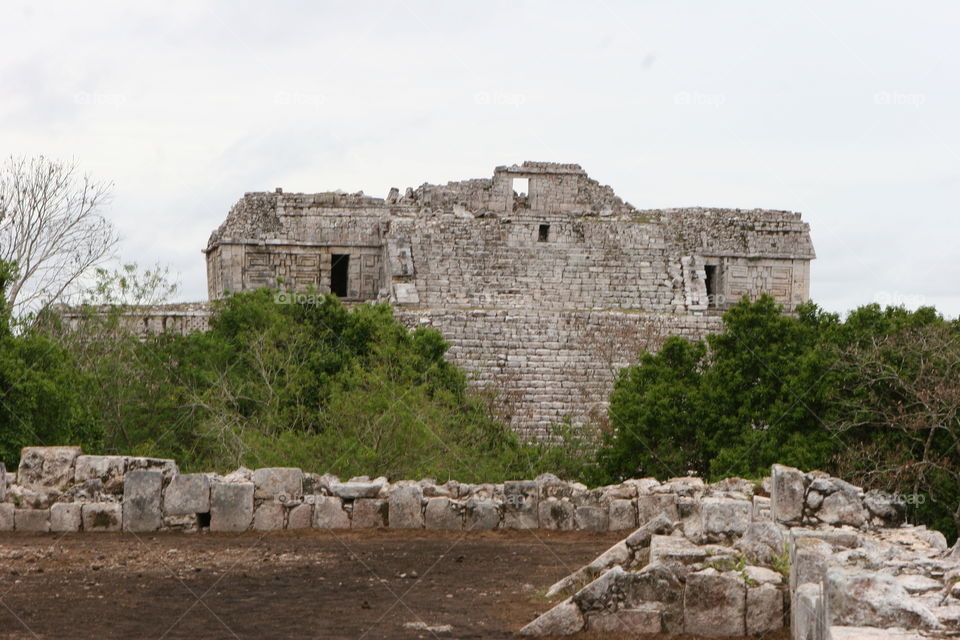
point(548, 366)
point(580, 264)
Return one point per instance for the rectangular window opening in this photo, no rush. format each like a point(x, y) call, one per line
point(710, 271)
point(339, 274)
point(521, 186)
point(543, 235)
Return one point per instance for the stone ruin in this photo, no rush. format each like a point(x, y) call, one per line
point(544, 281)
point(799, 550)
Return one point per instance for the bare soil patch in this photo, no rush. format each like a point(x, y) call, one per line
point(290, 584)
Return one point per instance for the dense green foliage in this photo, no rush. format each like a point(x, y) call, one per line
point(874, 398)
point(312, 384)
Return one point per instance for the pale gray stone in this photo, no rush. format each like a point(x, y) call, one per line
point(65, 517)
point(142, 492)
point(269, 516)
point(591, 519)
point(280, 483)
point(406, 508)
point(481, 514)
point(556, 514)
point(669, 549)
point(659, 525)
point(301, 516)
point(443, 514)
point(187, 494)
point(808, 618)
point(107, 469)
point(3, 482)
point(328, 513)
point(762, 542)
point(6, 516)
point(787, 497)
point(622, 515)
point(725, 517)
point(764, 609)
point(370, 513)
point(231, 506)
point(164, 465)
point(44, 468)
point(714, 604)
point(871, 599)
point(353, 490)
point(652, 505)
point(843, 507)
point(520, 505)
point(643, 618)
point(102, 516)
point(37, 520)
point(562, 620)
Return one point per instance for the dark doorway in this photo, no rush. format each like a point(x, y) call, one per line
point(544, 233)
point(339, 274)
point(711, 274)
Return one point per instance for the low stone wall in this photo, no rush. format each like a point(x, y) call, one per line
point(731, 558)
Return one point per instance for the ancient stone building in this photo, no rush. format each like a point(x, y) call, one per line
point(543, 280)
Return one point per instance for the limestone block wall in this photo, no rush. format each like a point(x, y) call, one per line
point(550, 365)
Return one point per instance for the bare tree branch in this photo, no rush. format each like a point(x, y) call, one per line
point(51, 228)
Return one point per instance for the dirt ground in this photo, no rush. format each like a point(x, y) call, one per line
point(309, 584)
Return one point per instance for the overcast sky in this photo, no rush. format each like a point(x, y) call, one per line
point(846, 112)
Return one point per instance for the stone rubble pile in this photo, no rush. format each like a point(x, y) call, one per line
point(819, 555)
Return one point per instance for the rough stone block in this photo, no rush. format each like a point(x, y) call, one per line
point(370, 513)
point(660, 525)
point(269, 516)
point(669, 549)
point(622, 515)
point(645, 618)
point(43, 468)
point(808, 613)
point(786, 499)
point(725, 517)
point(714, 604)
point(142, 491)
point(164, 465)
point(354, 490)
point(764, 609)
point(520, 504)
point(557, 515)
point(6, 516)
point(300, 516)
point(102, 516)
point(860, 598)
point(481, 514)
point(231, 506)
point(843, 507)
point(65, 516)
point(406, 508)
point(562, 620)
point(761, 509)
point(443, 514)
point(649, 506)
point(31, 520)
point(283, 483)
point(762, 542)
point(187, 494)
point(3, 482)
point(107, 469)
point(328, 513)
point(591, 519)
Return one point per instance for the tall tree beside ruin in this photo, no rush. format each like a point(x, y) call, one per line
point(51, 228)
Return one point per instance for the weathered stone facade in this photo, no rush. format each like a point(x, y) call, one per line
point(544, 281)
